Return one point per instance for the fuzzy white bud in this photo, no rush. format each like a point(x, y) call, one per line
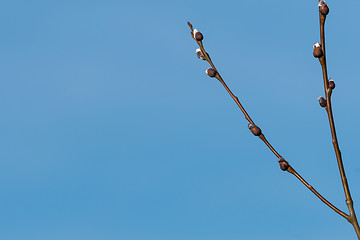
point(317, 44)
point(322, 3)
point(194, 32)
point(200, 54)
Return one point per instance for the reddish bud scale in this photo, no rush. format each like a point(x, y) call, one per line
point(324, 10)
point(322, 101)
point(331, 84)
point(199, 36)
point(284, 165)
point(211, 72)
point(254, 129)
point(318, 53)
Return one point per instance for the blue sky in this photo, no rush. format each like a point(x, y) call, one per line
point(110, 128)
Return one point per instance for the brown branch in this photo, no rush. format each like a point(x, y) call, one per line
point(323, 11)
point(284, 165)
point(292, 171)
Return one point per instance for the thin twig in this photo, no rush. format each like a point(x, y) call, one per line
point(328, 92)
point(261, 135)
point(291, 170)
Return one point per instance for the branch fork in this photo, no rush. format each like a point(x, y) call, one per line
point(325, 102)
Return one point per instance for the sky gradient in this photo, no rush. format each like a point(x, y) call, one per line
point(110, 128)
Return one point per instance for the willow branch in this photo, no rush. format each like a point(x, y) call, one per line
point(284, 165)
point(323, 11)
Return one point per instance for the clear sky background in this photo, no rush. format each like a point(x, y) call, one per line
point(110, 129)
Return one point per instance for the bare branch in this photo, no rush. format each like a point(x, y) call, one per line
point(284, 165)
point(328, 87)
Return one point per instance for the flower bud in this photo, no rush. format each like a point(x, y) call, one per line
point(318, 53)
point(323, 8)
point(284, 165)
point(200, 54)
point(331, 83)
point(254, 129)
point(211, 72)
point(322, 101)
point(198, 35)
